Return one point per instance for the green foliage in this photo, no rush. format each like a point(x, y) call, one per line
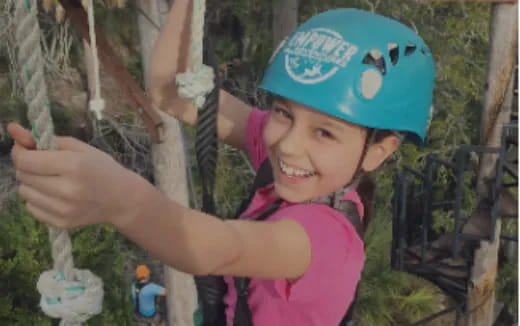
point(25, 253)
point(388, 297)
point(507, 287)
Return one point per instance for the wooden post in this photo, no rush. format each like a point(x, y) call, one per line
point(496, 112)
point(170, 170)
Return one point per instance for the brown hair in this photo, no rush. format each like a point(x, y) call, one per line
point(367, 187)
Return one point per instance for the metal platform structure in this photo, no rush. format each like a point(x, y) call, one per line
point(443, 254)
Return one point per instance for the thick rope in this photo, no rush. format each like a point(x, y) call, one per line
point(197, 82)
point(61, 286)
point(97, 104)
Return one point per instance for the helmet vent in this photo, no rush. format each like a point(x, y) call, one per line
point(374, 58)
point(410, 49)
point(393, 52)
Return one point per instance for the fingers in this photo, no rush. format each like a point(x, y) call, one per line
point(45, 208)
point(73, 145)
point(21, 135)
point(43, 216)
point(50, 185)
point(44, 163)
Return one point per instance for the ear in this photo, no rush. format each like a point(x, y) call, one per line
point(377, 153)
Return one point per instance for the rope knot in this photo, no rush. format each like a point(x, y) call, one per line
point(195, 84)
point(74, 302)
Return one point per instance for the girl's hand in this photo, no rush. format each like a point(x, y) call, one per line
point(75, 185)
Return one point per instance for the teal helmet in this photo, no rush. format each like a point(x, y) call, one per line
point(358, 66)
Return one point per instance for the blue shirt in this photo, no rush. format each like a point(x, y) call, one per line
point(147, 298)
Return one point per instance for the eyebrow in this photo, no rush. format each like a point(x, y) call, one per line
point(325, 121)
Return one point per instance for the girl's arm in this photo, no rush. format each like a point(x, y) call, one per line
point(79, 185)
point(170, 57)
point(200, 244)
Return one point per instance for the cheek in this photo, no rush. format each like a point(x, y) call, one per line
point(336, 167)
point(273, 131)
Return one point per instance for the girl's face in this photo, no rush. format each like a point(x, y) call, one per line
point(312, 154)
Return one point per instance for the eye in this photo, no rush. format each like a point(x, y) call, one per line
point(325, 133)
point(282, 113)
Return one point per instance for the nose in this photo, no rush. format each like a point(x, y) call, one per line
point(292, 142)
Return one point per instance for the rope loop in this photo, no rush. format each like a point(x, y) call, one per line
point(75, 301)
point(195, 84)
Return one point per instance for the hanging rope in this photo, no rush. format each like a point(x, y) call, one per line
point(209, 288)
point(97, 104)
point(67, 293)
point(197, 82)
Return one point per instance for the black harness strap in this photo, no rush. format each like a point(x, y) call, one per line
point(206, 145)
point(138, 286)
point(243, 315)
point(211, 289)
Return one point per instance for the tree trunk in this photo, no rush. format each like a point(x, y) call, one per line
point(170, 171)
point(285, 19)
point(496, 112)
point(500, 72)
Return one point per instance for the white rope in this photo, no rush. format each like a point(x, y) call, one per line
point(67, 293)
point(97, 103)
point(198, 81)
point(75, 301)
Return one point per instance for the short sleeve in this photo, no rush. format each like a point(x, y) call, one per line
point(156, 289)
point(334, 244)
point(254, 139)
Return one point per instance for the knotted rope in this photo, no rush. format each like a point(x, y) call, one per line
point(197, 82)
point(67, 293)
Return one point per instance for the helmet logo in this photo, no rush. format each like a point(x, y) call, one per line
point(315, 55)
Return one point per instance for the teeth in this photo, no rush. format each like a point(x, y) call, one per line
point(293, 171)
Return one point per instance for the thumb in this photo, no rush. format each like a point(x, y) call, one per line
point(21, 136)
point(73, 145)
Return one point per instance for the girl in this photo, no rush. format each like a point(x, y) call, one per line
point(348, 84)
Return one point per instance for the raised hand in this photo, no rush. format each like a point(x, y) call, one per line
point(75, 185)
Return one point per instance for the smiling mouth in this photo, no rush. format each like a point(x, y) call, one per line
point(294, 172)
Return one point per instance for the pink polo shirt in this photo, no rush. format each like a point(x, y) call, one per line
point(324, 292)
